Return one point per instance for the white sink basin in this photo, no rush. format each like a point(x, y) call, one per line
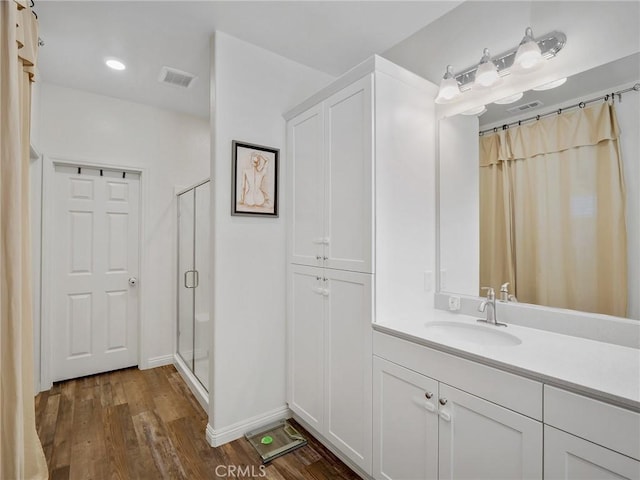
point(471, 333)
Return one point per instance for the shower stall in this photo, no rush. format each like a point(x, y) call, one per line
point(193, 325)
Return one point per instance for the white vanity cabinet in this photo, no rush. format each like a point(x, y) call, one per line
point(330, 146)
point(480, 422)
point(588, 439)
point(329, 356)
point(424, 429)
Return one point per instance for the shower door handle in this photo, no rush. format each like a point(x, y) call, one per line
point(195, 277)
point(186, 282)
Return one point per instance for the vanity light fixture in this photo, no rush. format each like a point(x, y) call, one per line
point(510, 99)
point(115, 64)
point(550, 85)
point(527, 52)
point(487, 73)
point(476, 111)
point(449, 89)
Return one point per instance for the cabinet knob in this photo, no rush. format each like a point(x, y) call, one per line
point(318, 257)
point(325, 258)
point(428, 395)
point(443, 401)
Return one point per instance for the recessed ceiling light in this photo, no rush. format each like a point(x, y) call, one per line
point(115, 64)
point(550, 85)
point(475, 111)
point(509, 99)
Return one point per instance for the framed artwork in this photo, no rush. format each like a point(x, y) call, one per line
point(254, 180)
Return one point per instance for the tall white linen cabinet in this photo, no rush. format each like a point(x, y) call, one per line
point(360, 206)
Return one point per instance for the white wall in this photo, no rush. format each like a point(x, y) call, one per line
point(251, 88)
point(459, 190)
point(628, 112)
point(172, 148)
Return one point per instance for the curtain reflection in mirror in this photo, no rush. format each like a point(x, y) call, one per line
point(552, 211)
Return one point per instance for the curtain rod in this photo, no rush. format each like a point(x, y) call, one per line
point(584, 103)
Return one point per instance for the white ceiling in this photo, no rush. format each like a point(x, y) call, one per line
point(330, 36)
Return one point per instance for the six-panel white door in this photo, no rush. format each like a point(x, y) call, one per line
point(94, 324)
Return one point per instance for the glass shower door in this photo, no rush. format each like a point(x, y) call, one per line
point(186, 276)
point(202, 292)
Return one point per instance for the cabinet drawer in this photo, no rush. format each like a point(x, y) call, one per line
point(511, 391)
point(607, 425)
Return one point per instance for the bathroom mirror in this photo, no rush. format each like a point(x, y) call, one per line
point(460, 179)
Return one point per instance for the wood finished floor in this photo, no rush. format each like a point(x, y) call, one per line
point(146, 424)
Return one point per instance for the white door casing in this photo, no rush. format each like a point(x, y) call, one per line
point(95, 235)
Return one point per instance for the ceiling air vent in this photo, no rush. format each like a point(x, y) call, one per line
point(525, 106)
point(175, 77)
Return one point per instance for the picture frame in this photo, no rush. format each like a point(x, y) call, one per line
point(254, 180)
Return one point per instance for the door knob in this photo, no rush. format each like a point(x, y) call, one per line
point(133, 281)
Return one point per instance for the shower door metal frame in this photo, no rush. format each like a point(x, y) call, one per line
point(182, 276)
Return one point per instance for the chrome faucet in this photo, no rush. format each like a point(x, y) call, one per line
point(505, 296)
point(490, 306)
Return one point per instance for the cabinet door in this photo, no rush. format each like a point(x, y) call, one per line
point(570, 458)
point(348, 364)
point(482, 440)
point(305, 344)
point(349, 165)
point(405, 423)
point(305, 139)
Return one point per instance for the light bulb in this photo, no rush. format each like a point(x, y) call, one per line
point(528, 55)
point(449, 89)
point(115, 64)
point(486, 73)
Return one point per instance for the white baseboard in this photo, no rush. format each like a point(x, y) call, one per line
point(160, 361)
point(237, 430)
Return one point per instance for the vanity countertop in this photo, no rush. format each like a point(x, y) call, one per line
point(601, 370)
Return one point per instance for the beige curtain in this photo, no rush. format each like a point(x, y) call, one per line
point(553, 211)
point(21, 455)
